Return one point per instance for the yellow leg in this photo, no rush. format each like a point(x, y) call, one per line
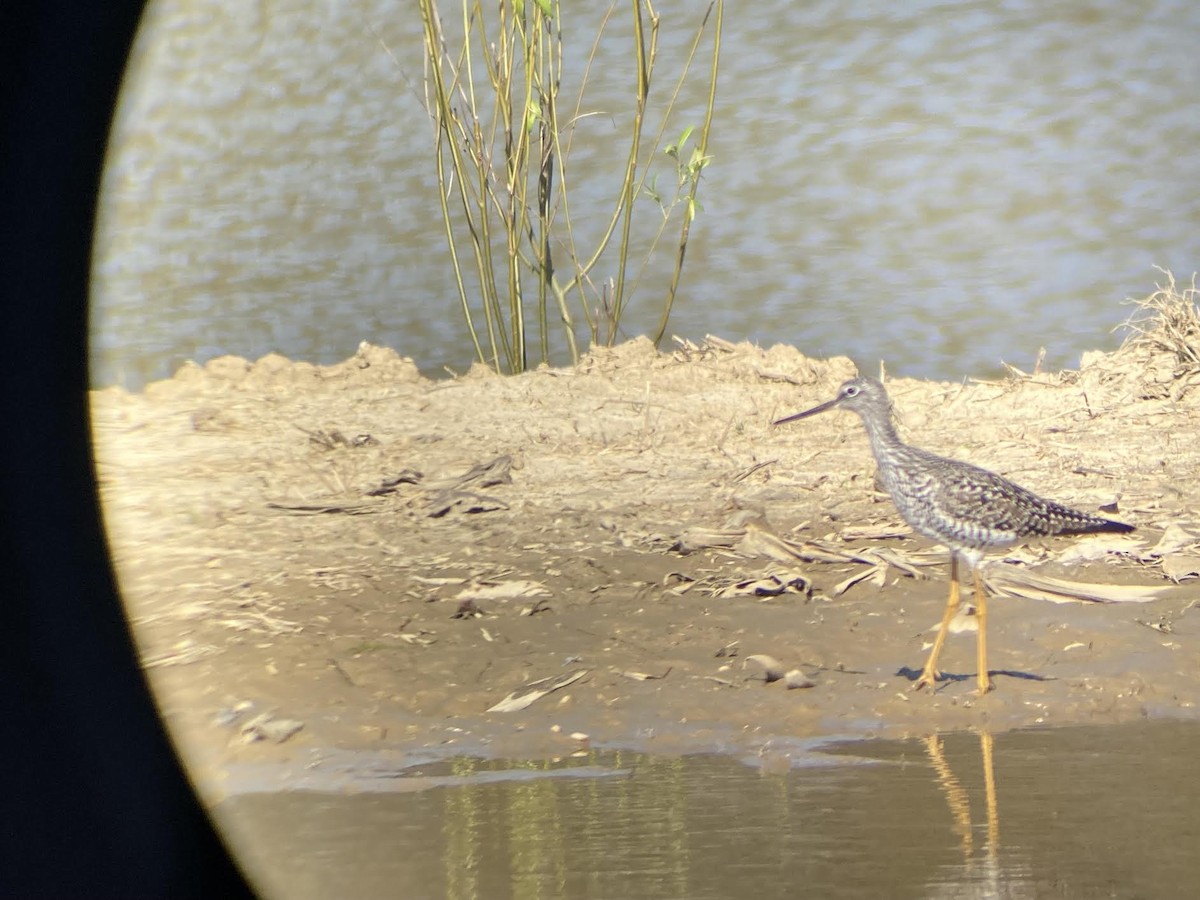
point(989, 784)
point(956, 795)
point(930, 673)
point(985, 680)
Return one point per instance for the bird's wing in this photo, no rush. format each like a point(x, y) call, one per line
point(967, 493)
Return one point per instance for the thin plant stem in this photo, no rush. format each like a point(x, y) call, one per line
point(689, 212)
point(502, 152)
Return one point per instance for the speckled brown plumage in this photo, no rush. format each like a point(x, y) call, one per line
point(969, 509)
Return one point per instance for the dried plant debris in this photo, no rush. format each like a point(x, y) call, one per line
point(875, 575)
point(1001, 578)
point(765, 587)
point(350, 508)
point(441, 496)
point(698, 537)
point(1175, 538)
point(678, 583)
point(502, 590)
point(467, 609)
point(331, 440)
point(646, 676)
point(1101, 546)
point(1180, 566)
point(392, 484)
point(687, 350)
point(755, 540)
point(768, 667)
point(878, 532)
point(246, 619)
point(760, 541)
point(529, 694)
point(423, 638)
point(770, 670)
point(452, 494)
point(963, 622)
point(444, 502)
point(795, 679)
point(263, 726)
point(1167, 321)
point(482, 475)
point(266, 727)
point(1178, 552)
point(728, 651)
point(181, 654)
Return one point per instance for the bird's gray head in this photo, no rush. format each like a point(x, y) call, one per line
point(858, 394)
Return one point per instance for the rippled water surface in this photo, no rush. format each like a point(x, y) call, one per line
point(938, 185)
point(1080, 812)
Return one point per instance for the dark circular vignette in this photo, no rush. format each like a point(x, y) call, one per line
point(96, 804)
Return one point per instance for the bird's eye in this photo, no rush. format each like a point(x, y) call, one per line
point(852, 391)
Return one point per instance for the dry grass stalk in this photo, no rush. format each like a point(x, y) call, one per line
point(1168, 321)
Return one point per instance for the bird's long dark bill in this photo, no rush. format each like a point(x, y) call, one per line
point(828, 404)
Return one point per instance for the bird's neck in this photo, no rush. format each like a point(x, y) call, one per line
point(881, 432)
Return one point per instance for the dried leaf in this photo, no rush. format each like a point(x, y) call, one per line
point(964, 622)
point(1004, 579)
point(1162, 626)
point(502, 590)
point(184, 652)
point(535, 691)
point(678, 583)
point(307, 509)
point(876, 575)
point(697, 538)
point(1094, 547)
point(767, 586)
point(1174, 538)
point(481, 475)
point(442, 502)
point(389, 485)
point(467, 610)
point(797, 679)
point(729, 651)
point(879, 532)
point(535, 608)
point(1178, 566)
point(644, 676)
point(763, 542)
point(772, 669)
point(266, 727)
point(416, 639)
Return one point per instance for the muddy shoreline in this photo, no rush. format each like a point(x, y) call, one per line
point(353, 559)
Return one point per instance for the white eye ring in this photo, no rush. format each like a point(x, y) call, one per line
point(851, 391)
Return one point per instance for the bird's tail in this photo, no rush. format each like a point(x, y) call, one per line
point(1072, 521)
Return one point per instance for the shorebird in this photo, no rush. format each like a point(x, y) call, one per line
point(969, 509)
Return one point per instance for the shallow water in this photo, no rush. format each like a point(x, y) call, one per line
point(1077, 812)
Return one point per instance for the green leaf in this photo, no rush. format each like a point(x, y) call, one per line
point(533, 115)
point(546, 8)
point(651, 191)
